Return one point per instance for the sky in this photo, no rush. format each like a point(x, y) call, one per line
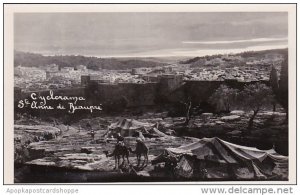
point(149, 34)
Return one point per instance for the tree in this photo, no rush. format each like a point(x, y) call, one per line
point(188, 106)
point(254, 97)
point(190, 109)
point(274, 84)
point(223, 98)
point(283, 90)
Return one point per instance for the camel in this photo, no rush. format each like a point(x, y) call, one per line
point(140, 150)
point(119, 151)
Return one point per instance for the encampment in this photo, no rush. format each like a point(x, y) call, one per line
point(213, 158)
point(132, 127)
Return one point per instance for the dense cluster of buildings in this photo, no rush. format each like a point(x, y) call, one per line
point(29, 77)
point(241, 74)
point(219, 68)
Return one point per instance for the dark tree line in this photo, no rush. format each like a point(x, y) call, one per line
point(283, 90)
point(280, 86)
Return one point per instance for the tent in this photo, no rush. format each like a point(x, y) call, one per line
point(130, 127)
point(130, 124)
point(217, 159)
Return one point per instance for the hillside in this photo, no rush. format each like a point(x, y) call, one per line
point(94, 63)
point(244, 55)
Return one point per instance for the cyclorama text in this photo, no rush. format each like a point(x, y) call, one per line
point(56, 97)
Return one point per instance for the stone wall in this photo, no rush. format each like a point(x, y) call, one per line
point(132, 95)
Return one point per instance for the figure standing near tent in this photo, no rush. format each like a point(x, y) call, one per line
point(120, 139)
point(93, 134)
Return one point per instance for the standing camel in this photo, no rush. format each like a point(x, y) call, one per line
point(119, 151)
point(140, 150)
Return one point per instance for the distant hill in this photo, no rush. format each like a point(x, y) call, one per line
point(247, 54)
point(94, 63)
point(161, 59)
point(190, 61)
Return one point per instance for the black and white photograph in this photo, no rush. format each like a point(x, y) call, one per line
point(143, 96)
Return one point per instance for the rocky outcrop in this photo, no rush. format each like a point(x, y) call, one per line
point(231, 118)
point(237, 112)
